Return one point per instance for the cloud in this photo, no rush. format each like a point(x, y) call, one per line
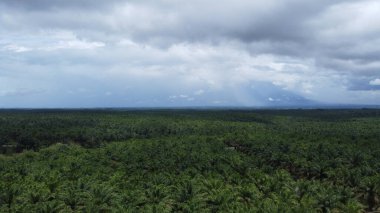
point(48, 41)
point(199, 92)
point(375, 82)
point(16, 48)
point(20, 92)
point(160, 53)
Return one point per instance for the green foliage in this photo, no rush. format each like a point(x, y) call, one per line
point(190, 161)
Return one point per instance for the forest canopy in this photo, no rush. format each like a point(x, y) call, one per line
point(190, 160)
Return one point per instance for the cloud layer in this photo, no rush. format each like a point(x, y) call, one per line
point(87, 53)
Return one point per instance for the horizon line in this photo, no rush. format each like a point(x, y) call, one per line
point(311, 107)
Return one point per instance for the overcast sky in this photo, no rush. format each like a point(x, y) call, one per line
point(115, 53)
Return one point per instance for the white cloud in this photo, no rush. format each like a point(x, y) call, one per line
point(73, 44)
point(16, 48)
point(375, 82)
point(48, 41)
point(20, 92)
point(349, 20)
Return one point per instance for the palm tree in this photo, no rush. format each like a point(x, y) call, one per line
point(157, 197)
point(73, 198)
point(50, 207)
point(102, 195)
point(217, 194)
point(352, 206)
point(8, 195)
point(370, 191)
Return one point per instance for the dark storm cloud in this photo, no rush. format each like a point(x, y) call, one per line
point(177, 20)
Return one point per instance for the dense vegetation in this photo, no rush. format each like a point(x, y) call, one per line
point(190, 161)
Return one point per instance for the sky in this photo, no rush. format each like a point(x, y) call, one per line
point(178, 53)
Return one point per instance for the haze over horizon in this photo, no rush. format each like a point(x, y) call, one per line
point(117, 53)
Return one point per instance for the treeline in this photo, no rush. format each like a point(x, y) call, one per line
point(32, 130)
